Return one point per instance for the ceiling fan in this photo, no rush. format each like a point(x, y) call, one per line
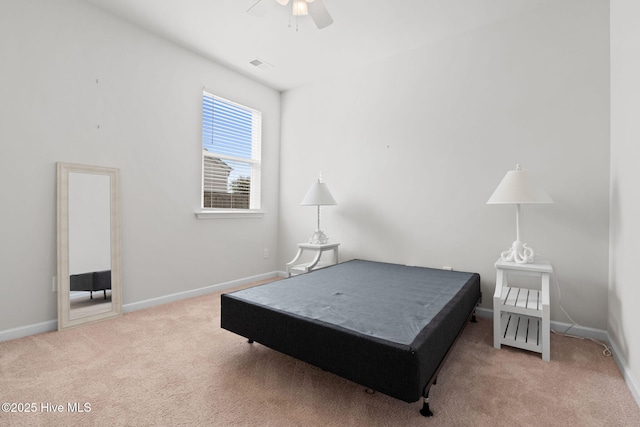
point(314, 8)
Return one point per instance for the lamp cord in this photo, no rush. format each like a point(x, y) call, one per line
point(606, 351)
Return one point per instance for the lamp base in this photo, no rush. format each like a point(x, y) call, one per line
point(519, 253)
point(318, 238)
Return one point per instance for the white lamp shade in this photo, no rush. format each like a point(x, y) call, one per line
point(517, 187)
point(318, 195)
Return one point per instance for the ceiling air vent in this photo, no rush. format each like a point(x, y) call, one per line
point(259, 63)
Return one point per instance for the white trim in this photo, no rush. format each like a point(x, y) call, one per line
point(52, 325)
point(25, 331)
point(127, 308)
point(222, 214)
point(629, 378)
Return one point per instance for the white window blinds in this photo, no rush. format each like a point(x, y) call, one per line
point(231, 139)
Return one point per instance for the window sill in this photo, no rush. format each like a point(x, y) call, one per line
point(227, 214)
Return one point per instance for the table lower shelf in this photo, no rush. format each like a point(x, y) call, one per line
point(303, 267)
point(520, 331)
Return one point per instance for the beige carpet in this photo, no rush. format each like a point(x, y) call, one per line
point(172, 365)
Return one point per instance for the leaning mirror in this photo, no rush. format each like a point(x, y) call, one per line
point(89, 276)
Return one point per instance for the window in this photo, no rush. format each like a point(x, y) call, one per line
point(231, 139)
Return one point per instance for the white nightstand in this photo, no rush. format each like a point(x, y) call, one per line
point(521, 315)
point(305, 267)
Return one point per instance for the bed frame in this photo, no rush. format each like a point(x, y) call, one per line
point(385, 326)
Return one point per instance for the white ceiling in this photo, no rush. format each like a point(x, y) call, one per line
point(363, 31)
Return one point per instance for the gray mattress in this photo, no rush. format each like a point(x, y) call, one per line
point(385, 326)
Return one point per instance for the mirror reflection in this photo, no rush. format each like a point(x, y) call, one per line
point(89, 244)
point(89, 287)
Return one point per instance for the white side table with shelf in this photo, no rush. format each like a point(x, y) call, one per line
point(293, 267)
point(521, 316)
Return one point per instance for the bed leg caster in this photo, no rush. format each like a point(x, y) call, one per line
point(250, 341)
point(425, 411)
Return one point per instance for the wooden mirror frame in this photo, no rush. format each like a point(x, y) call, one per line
point(63, 278)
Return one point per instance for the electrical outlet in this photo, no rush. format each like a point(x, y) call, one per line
point(446, 267)
point(266, 253)
point(54, 285)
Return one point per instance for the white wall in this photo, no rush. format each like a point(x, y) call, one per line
point(624, 287)
point(413, 146)
point(147, 104)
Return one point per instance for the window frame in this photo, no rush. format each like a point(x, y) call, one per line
point(254, 163)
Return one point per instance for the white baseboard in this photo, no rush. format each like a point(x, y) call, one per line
point(52, 325)
point(25, 331)
point(597, 334)
point(127, 308)
point(629, 378)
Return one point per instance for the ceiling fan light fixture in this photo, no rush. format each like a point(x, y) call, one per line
point(300, 8)
point(315, 9)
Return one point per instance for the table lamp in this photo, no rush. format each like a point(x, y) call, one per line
point(318, 195)
point(517, 188)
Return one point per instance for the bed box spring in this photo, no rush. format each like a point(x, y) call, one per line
point(385, 326)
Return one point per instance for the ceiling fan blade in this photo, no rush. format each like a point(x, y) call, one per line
point(254, 9)
point(319, 14)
